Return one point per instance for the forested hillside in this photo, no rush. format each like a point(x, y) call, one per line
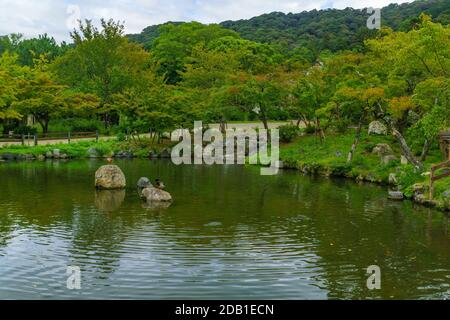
point(322, 29)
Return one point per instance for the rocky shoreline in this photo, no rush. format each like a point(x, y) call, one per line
point(418, 195)
point(419, 189)
point(91, 153)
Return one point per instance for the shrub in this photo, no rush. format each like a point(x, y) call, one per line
point(120, 136)
point(409, 176)
point(288, 132)
point(310, 129)
point(25, 130)
point(341, 126)
point(79, 125)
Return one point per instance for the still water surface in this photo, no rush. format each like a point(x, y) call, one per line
point(230, 234)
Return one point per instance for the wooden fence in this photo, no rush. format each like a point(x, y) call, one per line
point(58, 136)
point(433, 176)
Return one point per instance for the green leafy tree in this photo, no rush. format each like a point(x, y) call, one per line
point(103, 63)
point(42, 97)
point(176, 43)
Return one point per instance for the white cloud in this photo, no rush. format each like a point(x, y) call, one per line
point(32, 17)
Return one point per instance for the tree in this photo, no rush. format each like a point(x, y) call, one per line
point(41, 96)
point(312, 94)
point(176, 43)
point(433, 95)
point(261, 95)
point(404, 61)
point(10, 73)
point(103, 63)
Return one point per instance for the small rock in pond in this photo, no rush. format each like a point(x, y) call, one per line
point(154, 194)
point(395, 195)
point(144, 182)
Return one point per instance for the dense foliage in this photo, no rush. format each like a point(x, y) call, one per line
point(318, 30)
point(192, 71)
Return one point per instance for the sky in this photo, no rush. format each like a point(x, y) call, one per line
point(58, 17)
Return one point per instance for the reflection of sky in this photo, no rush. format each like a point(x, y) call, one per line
point(154, 263)
point(50, 16)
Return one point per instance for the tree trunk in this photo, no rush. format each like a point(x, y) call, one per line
point(223, 125)
point(406, 150)
point(356, 141)
point(264, 121)
point(425, 149)
point(401, 140)
point(320, 131)
point(43, 121)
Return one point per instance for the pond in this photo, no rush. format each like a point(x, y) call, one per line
point(229, 234)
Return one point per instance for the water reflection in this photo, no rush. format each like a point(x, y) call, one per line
point(230, 233)
point(109, 200)
point(156, 205)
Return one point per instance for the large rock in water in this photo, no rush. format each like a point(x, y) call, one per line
point(109, 177)
point(376, 127)
point(156, 195)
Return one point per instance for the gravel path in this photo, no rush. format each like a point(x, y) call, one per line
point(247, 125)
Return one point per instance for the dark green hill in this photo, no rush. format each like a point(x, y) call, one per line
point(331, 29)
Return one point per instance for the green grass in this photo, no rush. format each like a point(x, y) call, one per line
point(307, 153)
point(139, 148)
point(331, 155)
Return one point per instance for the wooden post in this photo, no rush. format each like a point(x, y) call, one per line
point(96, 136)
point(68, 136)
point(448, 150)
point(35, 139)
point(23, 139)
point(431, 183)
point(434, 177)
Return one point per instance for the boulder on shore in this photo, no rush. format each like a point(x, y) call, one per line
point(376, 127)
point(388, 159)
point(56, 153)
point(93, 153)
point(109, 177)
point(153, 194)
point(165, 154)
point(382, 149)
point(393, 179)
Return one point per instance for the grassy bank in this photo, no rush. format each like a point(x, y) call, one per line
point(141, 148)
point(306, 154)
point(309, 155)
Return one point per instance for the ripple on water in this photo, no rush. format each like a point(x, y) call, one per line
point(308, 240)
